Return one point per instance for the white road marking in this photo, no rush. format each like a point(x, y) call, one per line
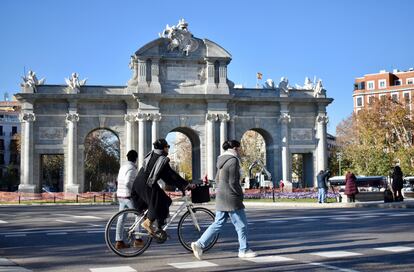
point(399, 214)
point(114, 268)
point(65, 221)
point(269, 259)
point(56, 233)
point(309, 220)
point(335, 254)
point(334, 267)
point(3, 222)
point(197, 264)
point(14, 269)
point(15, 235)
point(95, 231)
point(4, 261)
point(342, 218)
point(395, 249)
point(87, 217)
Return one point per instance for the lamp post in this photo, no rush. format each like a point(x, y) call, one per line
point(339, 157)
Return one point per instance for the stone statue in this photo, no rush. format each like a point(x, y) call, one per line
point(318, 88)
point(284, 85)
point(180, 38)
point(74, 83)
point(269, 84)
point(30, 80)
point(308, 84)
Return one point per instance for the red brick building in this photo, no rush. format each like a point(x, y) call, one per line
point(397, 85)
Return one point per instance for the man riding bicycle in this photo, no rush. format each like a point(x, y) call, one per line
point(146, 192)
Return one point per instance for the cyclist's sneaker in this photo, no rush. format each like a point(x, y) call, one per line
point(121, 245)
point(197, 250)
point(138, 243)
point(247, 254)
point(147, 225)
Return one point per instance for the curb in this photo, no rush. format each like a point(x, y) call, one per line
point(7, 265)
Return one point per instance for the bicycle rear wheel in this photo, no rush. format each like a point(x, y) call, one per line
point(188, 231)
point(135, 238)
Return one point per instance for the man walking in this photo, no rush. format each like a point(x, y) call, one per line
point(126, 176)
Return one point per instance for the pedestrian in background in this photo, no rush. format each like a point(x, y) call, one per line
point(322, 179)
point(126, 176)
point(397, 183)
point(229, 202)
point(351, 188)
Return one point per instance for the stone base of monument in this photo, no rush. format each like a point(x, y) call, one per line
point(73, 188)
point(27, 188)
point(365, 196)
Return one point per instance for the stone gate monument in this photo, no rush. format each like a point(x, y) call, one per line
point(179, 84)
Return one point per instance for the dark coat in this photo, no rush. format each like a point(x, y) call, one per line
point(322, 180)
point(154, 198)
point(397, 180)
point(229, 194)
point(350, 184)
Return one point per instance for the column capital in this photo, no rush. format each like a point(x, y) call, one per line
point(141, 116)
point(72, 117)
point(285, 118)
point(224, 117)
point(212, 117)
point(322, 119)
point(156, 117)
point(27, 117)
point(130, 117)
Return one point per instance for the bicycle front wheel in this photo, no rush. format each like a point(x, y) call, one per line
point(191, 228)
point(124, 235)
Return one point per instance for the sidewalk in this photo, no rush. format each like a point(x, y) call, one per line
point(407, 203)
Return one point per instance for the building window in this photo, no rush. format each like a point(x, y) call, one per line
point(14, 130)
point(382, 83)
point(1, 131)
point(382, 97)
point(1, 159)
point(394, 97)
point(359, 101)
point(371, 85)
point(371, 100)
point(407, 100)
point(410, 81)
point(1, 144)
point(397, 82)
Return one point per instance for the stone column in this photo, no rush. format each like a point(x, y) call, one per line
point(155, 117)
point(210, 73)
point(26, 183)
point(155, 71)
point(142, 118)
point(223, 74)
point(129, 122)
point(322, 153)
point(71, 167)
point(233, 127)
point(284, 120)
point(224, 118)
point(211, 118)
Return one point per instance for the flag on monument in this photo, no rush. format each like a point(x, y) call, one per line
point(259, 75)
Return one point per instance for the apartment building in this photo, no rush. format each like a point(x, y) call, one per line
point(9, 133)
point(397, 85)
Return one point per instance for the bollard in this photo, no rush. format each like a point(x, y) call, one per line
point(94, 198)
point(19, 199)
point(77, 198)
point(103, 198)
point(54, 199)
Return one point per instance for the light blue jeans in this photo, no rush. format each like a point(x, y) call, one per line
point(239, 220)
point(124, 203)
point(321, 195)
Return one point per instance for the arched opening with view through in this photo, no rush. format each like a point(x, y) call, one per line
point(257, 159)
point(102, 159)
point(185, 153)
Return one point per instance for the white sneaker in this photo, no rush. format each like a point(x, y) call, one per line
point(248, 254)
point(197, 250)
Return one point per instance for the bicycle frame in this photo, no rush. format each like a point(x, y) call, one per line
point(186, 204)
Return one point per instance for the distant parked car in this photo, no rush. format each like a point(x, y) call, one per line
point(364, 183)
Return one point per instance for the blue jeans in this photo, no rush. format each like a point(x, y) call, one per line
point(321, 195)
point(238, 218)
point(124, 203)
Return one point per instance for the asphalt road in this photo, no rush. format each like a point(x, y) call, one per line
point(71, 238)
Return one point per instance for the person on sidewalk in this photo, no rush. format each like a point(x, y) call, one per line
point(351, 188)
point(146, 192)
point(126, 177)
point(229, 202)
point(322, 179)
point(397, 183)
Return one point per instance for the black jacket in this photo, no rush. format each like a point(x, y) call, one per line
point(322, 180)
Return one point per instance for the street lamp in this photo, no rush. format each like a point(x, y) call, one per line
point(339, 157)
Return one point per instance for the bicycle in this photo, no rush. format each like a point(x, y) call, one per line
point(191, 226)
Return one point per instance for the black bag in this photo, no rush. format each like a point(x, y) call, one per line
point(388, 196)
point(200, 194)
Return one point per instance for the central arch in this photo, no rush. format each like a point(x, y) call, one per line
point(195, 149)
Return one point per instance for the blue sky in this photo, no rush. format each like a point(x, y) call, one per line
point(336, 41)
